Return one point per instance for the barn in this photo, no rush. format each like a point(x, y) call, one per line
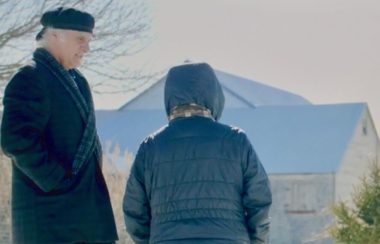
point(314, 154)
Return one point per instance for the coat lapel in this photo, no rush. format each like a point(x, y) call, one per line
point(90, 142)
point(45, 58)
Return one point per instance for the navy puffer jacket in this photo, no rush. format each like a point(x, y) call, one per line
point(197, 180)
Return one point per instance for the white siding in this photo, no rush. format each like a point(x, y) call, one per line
point(361, 152)
point(298, 213)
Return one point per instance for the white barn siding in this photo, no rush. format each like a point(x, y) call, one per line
point(361, 152)
point(299, 202)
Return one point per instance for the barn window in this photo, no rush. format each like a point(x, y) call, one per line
point(364, 127)
point(300, 198)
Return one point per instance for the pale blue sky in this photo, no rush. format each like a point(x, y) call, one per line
point(325, 50)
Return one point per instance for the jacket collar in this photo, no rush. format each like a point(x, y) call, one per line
point(190, 110)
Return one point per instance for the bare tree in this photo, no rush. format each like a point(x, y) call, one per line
point(121, 30)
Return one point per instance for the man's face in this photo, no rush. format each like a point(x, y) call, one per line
point(73, 45)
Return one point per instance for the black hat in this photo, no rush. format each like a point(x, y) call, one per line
point(66, 18)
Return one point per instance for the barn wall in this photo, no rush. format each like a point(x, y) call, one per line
point(299, 211)
point(361, 152)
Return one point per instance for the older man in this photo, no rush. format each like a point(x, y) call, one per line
point(196, 180)
point(48, 129)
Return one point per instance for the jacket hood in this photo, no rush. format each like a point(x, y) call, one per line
point(194, 83)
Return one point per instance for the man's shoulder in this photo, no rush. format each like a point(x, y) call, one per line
point(30, 72)
point(24, 73)
point(29, 69)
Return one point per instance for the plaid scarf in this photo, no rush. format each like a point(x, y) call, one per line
point(90, 142)
point(190, 110)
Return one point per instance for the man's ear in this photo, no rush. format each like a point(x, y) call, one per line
point(57, 35)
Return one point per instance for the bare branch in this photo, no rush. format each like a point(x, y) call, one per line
point(122, 29)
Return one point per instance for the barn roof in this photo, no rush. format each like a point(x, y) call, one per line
point(300, 139)
point(239, 92)
point(288, 139)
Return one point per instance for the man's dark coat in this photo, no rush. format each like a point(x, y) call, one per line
point(41, 132)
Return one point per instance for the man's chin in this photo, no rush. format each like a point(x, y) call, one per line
point(77, 64)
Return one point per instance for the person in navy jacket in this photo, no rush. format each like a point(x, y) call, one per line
point(196, 180)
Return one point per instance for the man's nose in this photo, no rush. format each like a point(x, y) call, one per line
point(86, 47)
